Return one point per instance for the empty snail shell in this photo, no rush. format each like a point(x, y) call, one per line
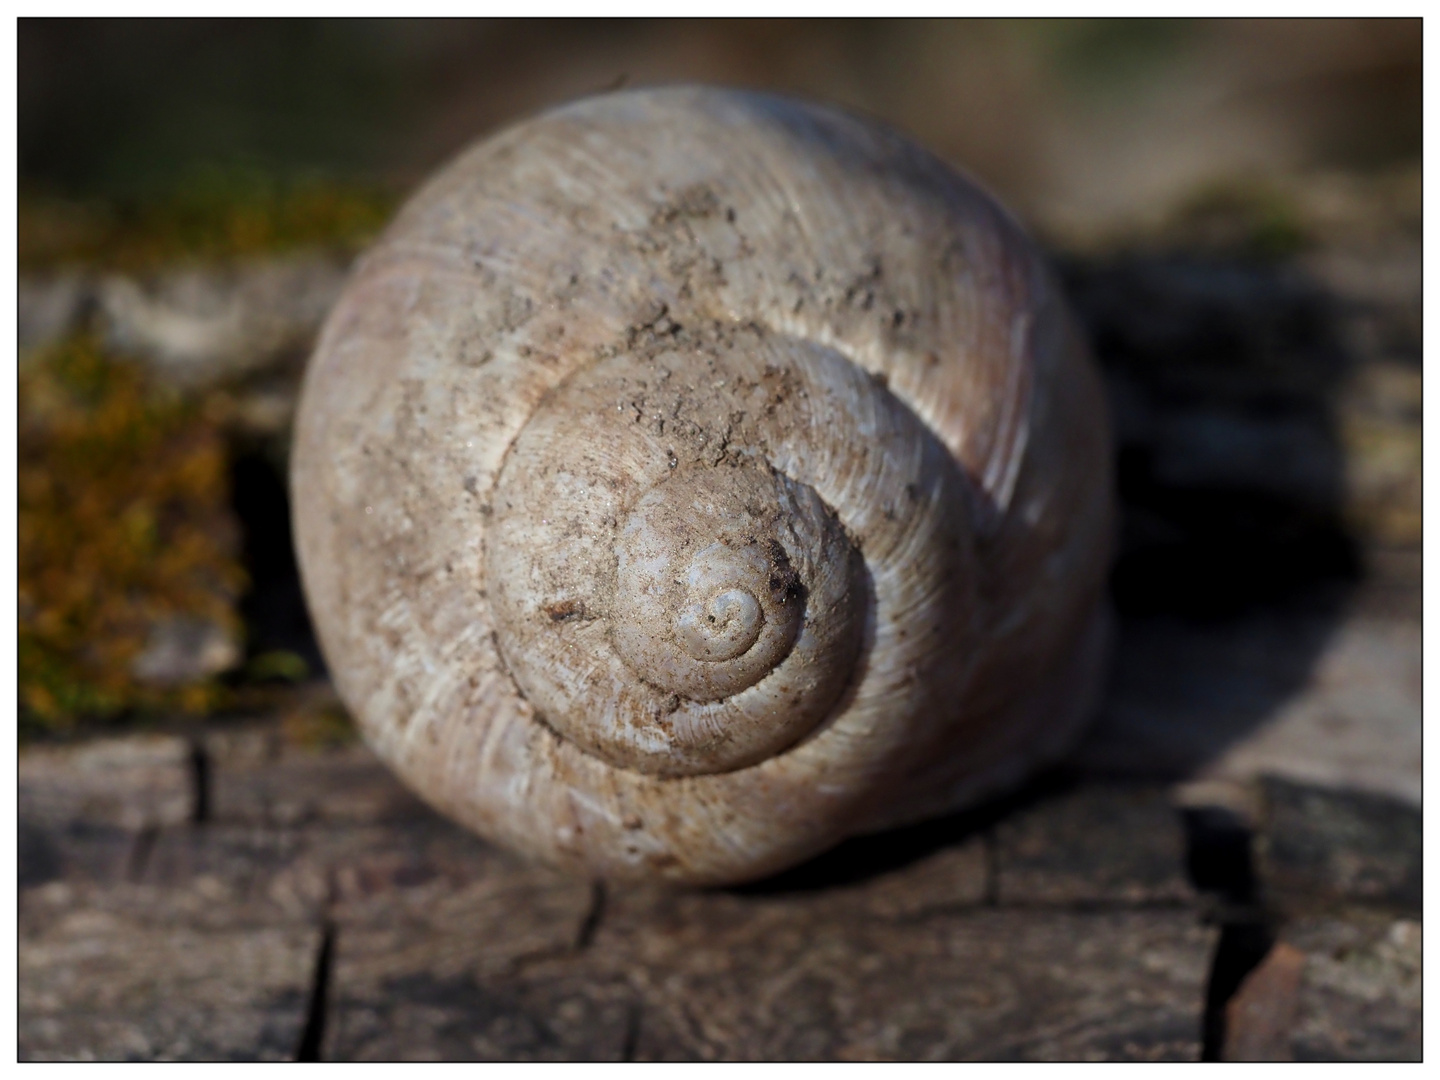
point(690, 479)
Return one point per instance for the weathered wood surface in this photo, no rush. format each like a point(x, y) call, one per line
point(312, 908)
point(1231, 866)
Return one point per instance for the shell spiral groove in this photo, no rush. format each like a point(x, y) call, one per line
point(689, 479)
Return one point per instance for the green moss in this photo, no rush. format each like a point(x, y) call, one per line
point(277, 665)
point(213, 216)
point(1249, 219)
point(124, 519)
point(1108, 59)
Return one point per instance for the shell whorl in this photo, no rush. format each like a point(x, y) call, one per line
point(691, 478)
point(672, 616)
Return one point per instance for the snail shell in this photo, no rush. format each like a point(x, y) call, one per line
point(689, 479)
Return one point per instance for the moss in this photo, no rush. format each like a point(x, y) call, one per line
point(318, 724)
point(277, 665)
point(123, 519)
point(124, 509)
point(1109, 58)
point(213, 217)
point(1240, 218)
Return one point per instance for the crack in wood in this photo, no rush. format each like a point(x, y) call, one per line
point(312, 1036)
point(200, 783)
point(632, 1032)
point(1220, 862)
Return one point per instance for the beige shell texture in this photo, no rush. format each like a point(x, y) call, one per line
point(690, 479)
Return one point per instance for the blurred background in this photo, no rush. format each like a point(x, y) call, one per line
point(1235, 206)
point(1079, 123)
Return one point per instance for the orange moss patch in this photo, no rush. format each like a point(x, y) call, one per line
point(124, 519)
